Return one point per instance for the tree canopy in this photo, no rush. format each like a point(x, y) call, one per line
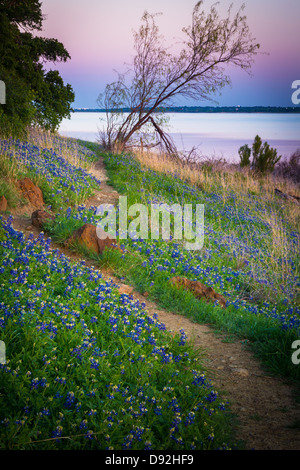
point(34, 96)
point(157, 76)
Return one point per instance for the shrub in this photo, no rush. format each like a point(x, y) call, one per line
point(290, 167)
point(245, 153)
point(264, 157)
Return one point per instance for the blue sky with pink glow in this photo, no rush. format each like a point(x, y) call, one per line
point(98, 36)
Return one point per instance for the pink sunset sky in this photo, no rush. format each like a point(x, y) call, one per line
point(98, 36)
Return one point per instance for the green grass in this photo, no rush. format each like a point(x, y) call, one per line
point(87, 367)
point(258, 310)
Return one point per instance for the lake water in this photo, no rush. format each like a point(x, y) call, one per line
point(214, 134)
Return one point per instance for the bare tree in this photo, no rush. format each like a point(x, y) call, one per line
point(157, 76)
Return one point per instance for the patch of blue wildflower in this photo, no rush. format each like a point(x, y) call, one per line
point(62, 183)
point(87, 367)
point(230, 262)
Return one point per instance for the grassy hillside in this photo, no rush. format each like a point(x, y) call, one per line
point(57, 165)
point(250, 253)
point(86, 366)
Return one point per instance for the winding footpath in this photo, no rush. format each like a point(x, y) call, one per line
point(268, 417)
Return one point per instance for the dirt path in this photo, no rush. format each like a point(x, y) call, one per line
point(106, 194)
point(264, 405)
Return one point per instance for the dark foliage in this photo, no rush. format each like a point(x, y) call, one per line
point(33, 95)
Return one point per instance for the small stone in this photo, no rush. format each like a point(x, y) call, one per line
point(125, 289)
point(86, 237)
point(31, 192)
point(39, 217)
point(3, 204)
point(92, 238)
point(200, 291)
point(240, 371)
point(105, 241)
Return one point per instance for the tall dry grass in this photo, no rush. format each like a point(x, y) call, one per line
point(226, 179)
point(67, 147)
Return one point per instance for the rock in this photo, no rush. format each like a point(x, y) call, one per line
point(3, 204)
point(88, 237)
point(31, 192)
point(125, 289)
point(201, 291)
point(241, 372)
point(39, 217)
point(104, 241)
point(290, 197)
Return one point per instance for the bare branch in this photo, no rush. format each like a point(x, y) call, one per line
point(157, 77)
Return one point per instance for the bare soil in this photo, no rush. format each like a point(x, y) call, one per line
point(268, 417)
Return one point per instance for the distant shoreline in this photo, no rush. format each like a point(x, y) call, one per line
point(210, 109)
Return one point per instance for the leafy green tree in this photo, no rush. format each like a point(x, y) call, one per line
point(34, 96)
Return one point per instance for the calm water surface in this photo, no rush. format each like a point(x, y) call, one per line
point(214, 134)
